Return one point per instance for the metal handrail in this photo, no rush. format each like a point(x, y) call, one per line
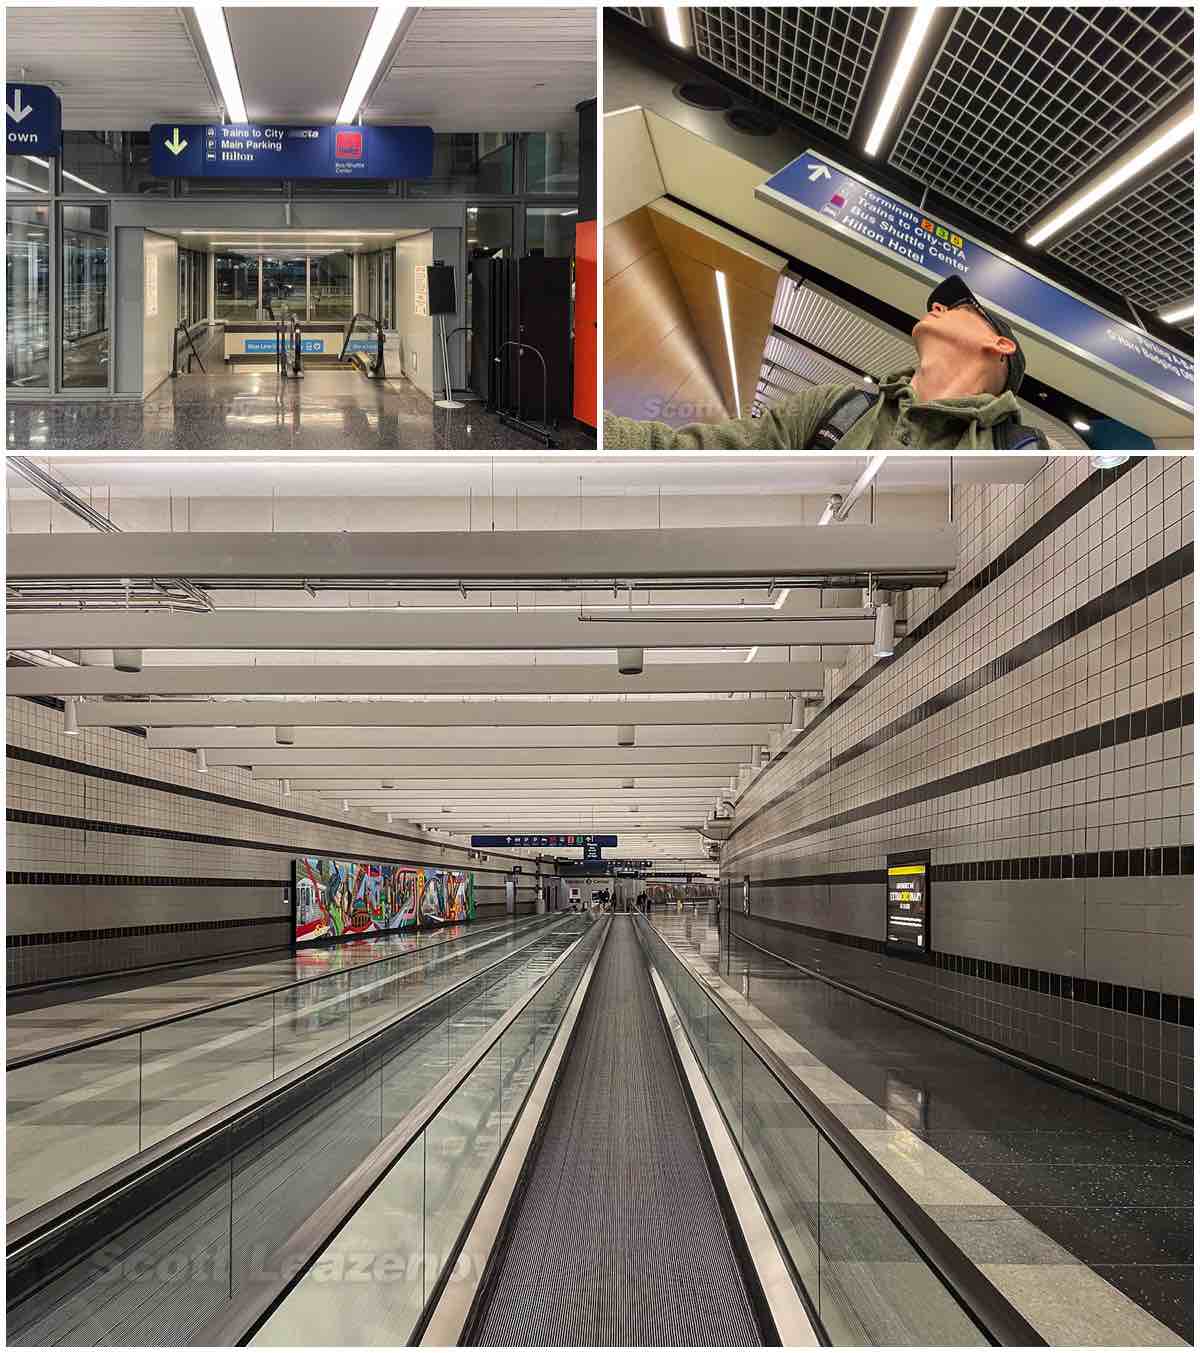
point(377, 365)
point(82, 1045)
point(314, 1236)
point(33, 1228)
point(516, 420)
point(187, 333)
point(996, 1317)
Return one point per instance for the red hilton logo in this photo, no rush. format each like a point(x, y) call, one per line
point(348, 146)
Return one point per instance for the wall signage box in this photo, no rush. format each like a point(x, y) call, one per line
point(244, 150)
point(906, 933)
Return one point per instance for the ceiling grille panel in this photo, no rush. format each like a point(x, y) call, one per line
point(841, 331)
point(813, 61)
point(634, 12)
point(1021, 101)
point(1143, 246)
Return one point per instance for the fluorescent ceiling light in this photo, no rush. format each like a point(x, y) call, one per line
point(33, 187)
point(1080, 426)
point(374, 49)
point(900, 73)
point(213, 30)
point(727, 325)
point(1110, 182)
point(1178, 314)
point(676, 31)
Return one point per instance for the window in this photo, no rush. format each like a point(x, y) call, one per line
point(332, 287)
point(27, 288)
point(467, 162)
point(550, 231)
point(85, 263)
point(552, 162)
point(284, 284)
point(109, 162)
point(25, 175)
point(236, 286)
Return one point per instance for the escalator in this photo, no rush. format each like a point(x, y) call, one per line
point(618, 1237)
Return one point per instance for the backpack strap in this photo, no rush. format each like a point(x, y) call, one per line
point(1010, 434)
point(841, 418)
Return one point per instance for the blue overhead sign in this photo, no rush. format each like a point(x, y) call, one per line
point(497, 842)
point(815, 188)
point(32, 119)
point(241, 150)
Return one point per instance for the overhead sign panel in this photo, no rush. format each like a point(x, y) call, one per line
point(535, 842)
point(244, 150)
point(817, 189)
point(32, 119)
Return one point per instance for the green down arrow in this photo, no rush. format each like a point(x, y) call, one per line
point(175, 146)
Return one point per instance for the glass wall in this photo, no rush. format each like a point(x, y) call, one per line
point(332, 288)
point(378, 289)
point(283, 287)
point(468, 162)
point(236, 286)
point(110, 162)
point(25, 174)
point(550, 231)
point(552, 163)
point(193, 286)
point(27, 290)
point(85, 264)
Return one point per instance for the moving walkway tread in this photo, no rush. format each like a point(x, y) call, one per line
point(617, 1237)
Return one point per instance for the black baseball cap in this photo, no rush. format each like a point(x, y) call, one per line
point(952, 291)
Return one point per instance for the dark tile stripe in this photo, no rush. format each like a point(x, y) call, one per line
point(1159, 718)
point(208, 796)
point(236, 843)
point(1150, 580)
point(131, 931)
point(1157, 1005)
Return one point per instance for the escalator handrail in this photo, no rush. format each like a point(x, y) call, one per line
point(996, 1317)
point(34, 1228)
point(378, 325)
point(306, 1245)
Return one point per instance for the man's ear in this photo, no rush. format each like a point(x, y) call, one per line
point(1003, 345)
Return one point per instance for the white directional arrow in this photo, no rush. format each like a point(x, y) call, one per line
point(15, 110)
point(819, 171)
point(175, 145)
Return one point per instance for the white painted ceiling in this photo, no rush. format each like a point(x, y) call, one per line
point(121, 68)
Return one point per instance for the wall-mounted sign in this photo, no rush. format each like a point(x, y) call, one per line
point(534, 842)
point(818, 190)
point(32, 119)
point(245, 150)
point(592, 850)
point(421, 290)
point(907, 913)
point(150, 287)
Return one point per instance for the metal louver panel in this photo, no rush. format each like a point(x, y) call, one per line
point(845, 333)
point(813, 61)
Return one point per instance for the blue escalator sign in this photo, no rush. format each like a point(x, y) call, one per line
point(314, 346)
point(817, 189)
point(245, 150)
point(32, 119)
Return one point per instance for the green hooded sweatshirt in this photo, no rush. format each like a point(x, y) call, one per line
point(896, 422)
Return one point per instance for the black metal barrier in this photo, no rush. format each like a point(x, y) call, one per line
point(183, 329)
point(514, 420)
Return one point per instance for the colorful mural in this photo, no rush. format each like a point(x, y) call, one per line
point(340, 899)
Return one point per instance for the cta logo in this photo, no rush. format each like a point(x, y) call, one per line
point(348, 146)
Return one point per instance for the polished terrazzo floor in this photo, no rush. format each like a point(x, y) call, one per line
point(332, 409)
point(1112, 1189)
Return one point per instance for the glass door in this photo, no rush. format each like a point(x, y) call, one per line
point(85, 261)
point(283, 287)
point(27, 291)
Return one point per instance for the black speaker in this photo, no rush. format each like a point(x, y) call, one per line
point(587, 159)
point(440, 277)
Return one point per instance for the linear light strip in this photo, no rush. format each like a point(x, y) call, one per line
point(917, 30)
point(374, 49)
point(1179, 313)
point(727, 325)
point(676, 29)
point(1108, 184)
point(215, 32)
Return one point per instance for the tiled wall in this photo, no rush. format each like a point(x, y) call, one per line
point(1034, 732)
point(120, 857)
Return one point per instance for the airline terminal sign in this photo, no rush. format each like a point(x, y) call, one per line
point(243, 150)
point(816, 189)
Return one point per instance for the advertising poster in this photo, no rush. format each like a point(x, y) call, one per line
point(347, 899)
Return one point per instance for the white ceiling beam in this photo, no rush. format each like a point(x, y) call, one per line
point(428, 713)
point(365, 746)
point(486, 556)
point(526, 679)
point(305, 778)
point(316, 628)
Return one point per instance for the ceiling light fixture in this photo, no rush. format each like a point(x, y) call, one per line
point(70, 718)
point(831, 509)
point(727, 325)
point(374, 49)
point(915, 36)
point(676, 27)
point(1080, 426)
point(201, 761)
point(287, 789)
point(214, 31)
point(1177, 314)
point(884, 645)
point(1109, 462)
point(1180, 130)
